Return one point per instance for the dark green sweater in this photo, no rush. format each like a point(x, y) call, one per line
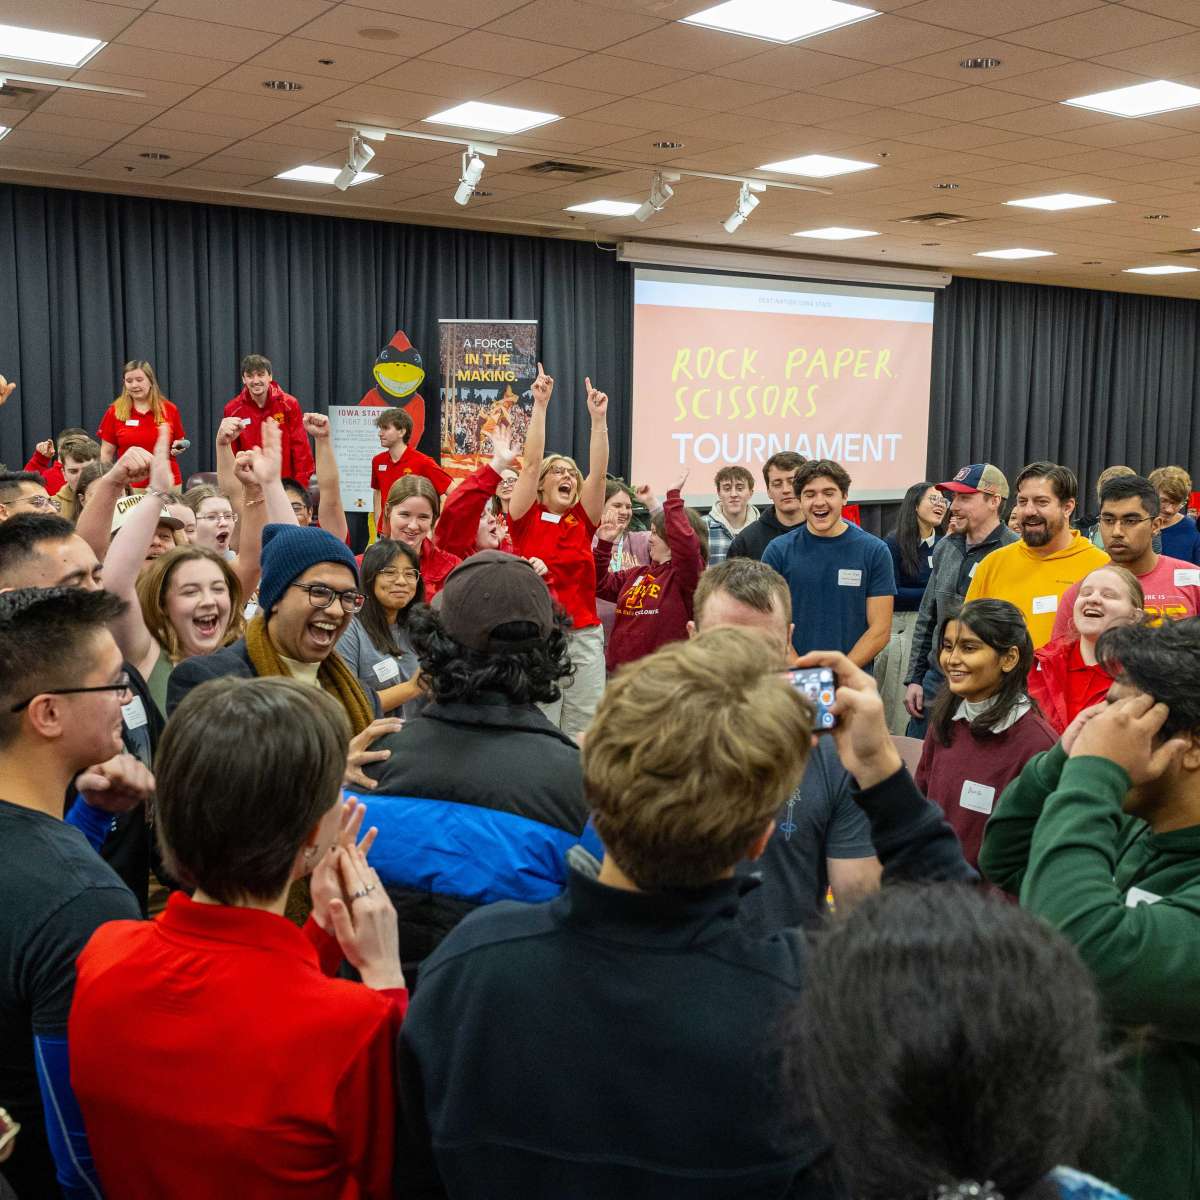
point(1129, 901)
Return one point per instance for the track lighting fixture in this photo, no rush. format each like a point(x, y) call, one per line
point(359, 156)
point(660, 192)
point(472, 172)
point(747, 202)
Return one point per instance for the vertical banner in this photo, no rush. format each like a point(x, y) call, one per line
point(487, 371)
point(355, 443)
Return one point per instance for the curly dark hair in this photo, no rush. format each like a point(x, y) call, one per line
point(1162, 661)
point(530, 670)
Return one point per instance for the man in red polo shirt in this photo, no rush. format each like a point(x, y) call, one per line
point(398, 459)
point(262, 399)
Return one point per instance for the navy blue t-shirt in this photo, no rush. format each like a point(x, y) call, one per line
point(831, 579)
point(1181, 540)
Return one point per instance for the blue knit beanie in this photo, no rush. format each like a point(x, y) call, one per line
point(288, 551)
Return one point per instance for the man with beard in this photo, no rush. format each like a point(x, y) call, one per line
point(1129, 518)
point(1034, 573)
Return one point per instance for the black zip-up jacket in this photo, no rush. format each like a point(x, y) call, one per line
point(755, 538)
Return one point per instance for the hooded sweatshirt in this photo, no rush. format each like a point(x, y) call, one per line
point(721, 533)
point(1034, 583)
point(1128, 899)
point(285, 411)
point(755, 538)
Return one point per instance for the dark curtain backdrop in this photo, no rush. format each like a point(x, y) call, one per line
point(90, 281)
point(1019, 371)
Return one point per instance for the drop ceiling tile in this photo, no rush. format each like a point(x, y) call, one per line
point(237, 104)
point(794, 67)
point(1103, 30)
point(128, 158)
point(885, 123)
point(960, 137)
point(1117, 133)
point(541, 96)
point(621, 76)
point(570, 23)
point(803, 108)
point(99, 107)
point(217, 124)
point(645, 114)
point(433, 79)
point(1053, 119)
point(343, 26)
point(215, 179)
point(157, 137)
point(368, 103)
point(75, 126)
point(701, 49)
point(494, 52)
point(762, 131)
point(1065, 82)
point(224, 43)
point(640, 148)
point(969, 16)
point(1099, 161)
point(271, 16)
point(119, 59)
point(1184, 145)
point(889, 85)
point(1014, 60)
point(1154, 172)
point(304, 55)
point(82, 17)
point(1015, 173)
point(1163, 59)
point(468, 13)
point(250, 77)
point(886, 40)
point(1176, 10)
point(575, 134)
point(971, 104)
point(715, 92)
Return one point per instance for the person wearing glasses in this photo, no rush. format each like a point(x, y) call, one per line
point(1130, 516)
point(61, 693)
point(216, 522)
point(376, 645)
point(24, 492)
point(307, 596)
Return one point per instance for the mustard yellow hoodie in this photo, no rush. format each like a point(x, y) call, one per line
point(1033, 582)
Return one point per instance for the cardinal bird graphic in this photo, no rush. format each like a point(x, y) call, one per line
point(398, 373)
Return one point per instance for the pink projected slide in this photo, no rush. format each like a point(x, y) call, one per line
point(731, 371)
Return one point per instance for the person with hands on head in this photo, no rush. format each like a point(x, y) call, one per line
point(228, 993)
point(653, 603)
point(61, 693)
point(554, 513)
point(134, 418)
point(468, 522)
point(1100, 837)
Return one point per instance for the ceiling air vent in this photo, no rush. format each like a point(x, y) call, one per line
point(934, 218)
point(12, 95)
point(550, 169)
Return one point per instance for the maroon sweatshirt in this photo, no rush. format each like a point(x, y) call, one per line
point(654, 602)
point(965, 778)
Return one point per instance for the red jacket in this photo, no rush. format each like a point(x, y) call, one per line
point(297, 453)
point(458, 526)
point(212, 1055)
point(50, 470)
point(654, 603)
point(1063, 684)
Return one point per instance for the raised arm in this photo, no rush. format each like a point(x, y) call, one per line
point(525, 490)
point(330, 512)
point(297, 431)
point(266, 503)
point(681, 537)
point(592, 497)
point(458, 526)
point(95, 521)
point(128, 552)
point(228, 433)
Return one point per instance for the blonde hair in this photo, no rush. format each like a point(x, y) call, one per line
point(1111, 473)
point(1129, 580)
point(408, 486)
point(123, 404)
point(1174, 482)
point(549, 462)
point(152, 587)
point(692, 751)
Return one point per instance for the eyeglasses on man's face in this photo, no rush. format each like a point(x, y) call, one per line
point(38, 501)
point(121, 689)
point(321, 595)
point(1108, 521)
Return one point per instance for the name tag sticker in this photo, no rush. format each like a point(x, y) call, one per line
point(1137, 895)
point(1187, 577)
point(553, 518)
point(930, 561)
point(133, 421)
point(250, 611)
point(385, 670)
point(134, 713)
point(978, 797)
point(1044, 604)
point(849, 578)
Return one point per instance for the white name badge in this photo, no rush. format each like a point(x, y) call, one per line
point(930, 561)
point(849, 578)
point(553, 518)
point(385, 670)
point(134, 713)
point(1187, 577)
point(978, 797)
point(1044, 604)
point(133, 421)
point(1137, 895)
point(250, 611)
point(971, 572)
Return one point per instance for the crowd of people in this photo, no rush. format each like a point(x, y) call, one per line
point(512, 858)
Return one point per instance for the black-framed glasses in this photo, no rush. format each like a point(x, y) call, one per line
point(122, 686)
point(1109, 522)
point(321, 595)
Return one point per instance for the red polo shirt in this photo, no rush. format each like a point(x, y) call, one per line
point(385, 472)
point(139, 429)
point(212, 1057)
point(563, 541)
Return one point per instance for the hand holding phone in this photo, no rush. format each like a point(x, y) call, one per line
point(818, 686)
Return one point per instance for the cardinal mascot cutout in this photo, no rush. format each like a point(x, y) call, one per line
point(398, 373)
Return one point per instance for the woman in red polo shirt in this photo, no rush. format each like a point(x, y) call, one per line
point(553, 514)
point(412, 508)
point(133, 418)
point(1067, 676)
point(214, 1052)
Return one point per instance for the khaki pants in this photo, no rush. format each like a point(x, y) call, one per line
point(574, 710)
point(891, 665)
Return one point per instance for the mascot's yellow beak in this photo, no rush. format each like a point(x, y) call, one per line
point(398, 379)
